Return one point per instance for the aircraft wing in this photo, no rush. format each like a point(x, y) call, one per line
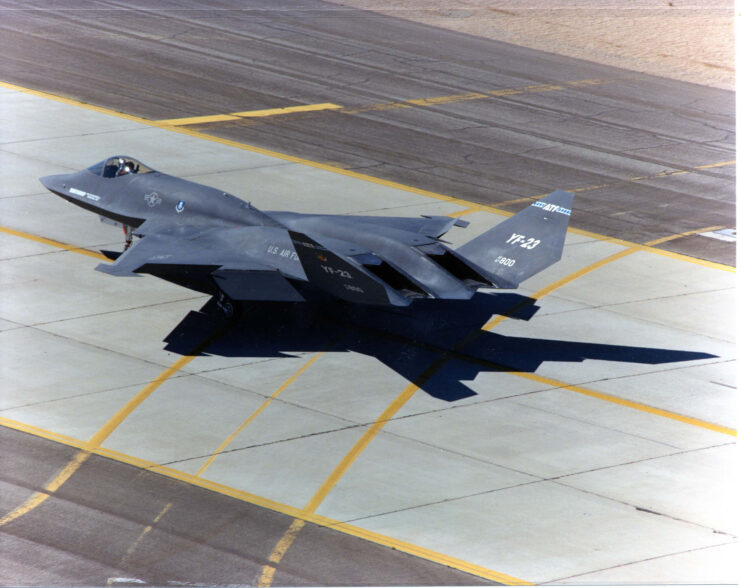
point(217, 253)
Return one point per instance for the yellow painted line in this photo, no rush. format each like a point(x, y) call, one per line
point(196, 120)
point(601, 395)
point(667, 414)
point(562, 282)
point(430, 555)
point(257, 412)
point(485, 94)
point(50, 487)
point(42, 433)
point(101, 435)
point(360, 446)
point(53, 243)
point(409, 391)
point(272, 505)
point(213, 118)
point(148, 529)
point(105, 431)
point(360, 176)
point(287, 110)
point(721, 164)
point(285, 542)
point(685, 234)
point(447, 99)
point(464, 212)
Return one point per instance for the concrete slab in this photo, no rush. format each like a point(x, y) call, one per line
point(667, 484)
point(194, 416)
point(12, 247)
point(121, 331)
point(642, 424)
point(360, 389)
point(527, 535)
point(51, 217)
point(396, 474)
point(705, 391)
point(650, 276)
point(599, 341)
point(20, 175)
point(710, 565)
point(527, 439)
point(289, 472)
point(26, 118)
point(93, 292)
point(39, 367)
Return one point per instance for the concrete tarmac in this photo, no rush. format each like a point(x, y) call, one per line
point(588, 438)
point(441, 111)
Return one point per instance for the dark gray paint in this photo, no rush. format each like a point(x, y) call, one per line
point(214, 242)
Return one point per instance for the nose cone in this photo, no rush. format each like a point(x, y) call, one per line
point(57, 183)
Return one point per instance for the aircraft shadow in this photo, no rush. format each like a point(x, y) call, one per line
point(407, 340)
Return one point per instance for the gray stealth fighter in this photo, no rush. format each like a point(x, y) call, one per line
point(213, 242)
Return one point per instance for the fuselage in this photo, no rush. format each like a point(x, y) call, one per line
point(403, 253)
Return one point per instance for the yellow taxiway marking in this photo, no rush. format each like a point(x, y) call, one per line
point(94, 443)
point(134, 402)
point(685, 234)
point(629, 404)
point(287, 110)
point(422, 102)
point(268, 571)
point(406, 394)
point(721, 164)
point(195, 120)
point(198, 120)
point(483, 95)
point(273, 505)
point(412, 388)
point(353, 174)
point(257, 412)
point(37, 498)
point(53, 243)
point(132, 548)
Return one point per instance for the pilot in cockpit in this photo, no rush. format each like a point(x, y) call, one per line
point(126, 167)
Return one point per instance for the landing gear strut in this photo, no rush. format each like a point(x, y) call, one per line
point(226, 305)
point(128, 235)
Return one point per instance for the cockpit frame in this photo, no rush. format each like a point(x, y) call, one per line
point(117, 166)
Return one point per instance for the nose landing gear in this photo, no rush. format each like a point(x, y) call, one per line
point(128, 235)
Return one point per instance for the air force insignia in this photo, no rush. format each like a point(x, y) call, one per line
point(180, 206)
point(152, 199)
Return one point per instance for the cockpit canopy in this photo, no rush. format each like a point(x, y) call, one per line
point(118, 165)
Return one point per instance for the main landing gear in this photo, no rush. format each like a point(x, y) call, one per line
point(228, 307)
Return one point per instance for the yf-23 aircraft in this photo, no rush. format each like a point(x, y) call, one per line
point(210, 241)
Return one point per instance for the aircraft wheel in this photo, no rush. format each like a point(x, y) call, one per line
point(228, 307)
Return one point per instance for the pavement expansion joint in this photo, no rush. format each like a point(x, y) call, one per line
point(267, 444)
point(569, 580)
point(644, 509)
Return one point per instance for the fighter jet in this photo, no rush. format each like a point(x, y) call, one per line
point(212, 242)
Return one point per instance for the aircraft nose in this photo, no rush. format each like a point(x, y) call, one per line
point(56, 183)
